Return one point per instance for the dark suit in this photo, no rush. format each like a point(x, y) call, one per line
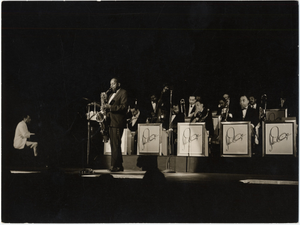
point(134, 128)
point(179, 118)
point(251, 115)
point(188, 108)
point(117, 123)
point(151, 113)
point(140, 119)
point(256, 109)
point(204, 116)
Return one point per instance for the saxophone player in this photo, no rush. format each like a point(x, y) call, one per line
point(116, 112)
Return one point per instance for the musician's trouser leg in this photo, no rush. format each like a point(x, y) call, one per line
point(115, 135)
point(32, 145)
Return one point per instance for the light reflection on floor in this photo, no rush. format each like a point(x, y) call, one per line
point(20, 171)
point(273, 182)
point(182, 177)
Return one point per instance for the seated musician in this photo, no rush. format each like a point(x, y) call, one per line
point(221, 106)
point(22, 136)
point(227, 111)
point(152, 108)
point(203, 114)
point(191, 106)
point(246, 113)
point(134, 117)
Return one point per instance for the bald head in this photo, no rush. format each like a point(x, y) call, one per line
point(114, 84)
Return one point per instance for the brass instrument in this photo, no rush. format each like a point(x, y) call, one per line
point(263, 110)
point(101, 116)
point(199, 117)
point(182, 107)
point(227, 111)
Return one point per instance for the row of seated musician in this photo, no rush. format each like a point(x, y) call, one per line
point(200, 114)
point(248, 110)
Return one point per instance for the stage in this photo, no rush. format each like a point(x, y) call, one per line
point(266, 194)
point(67, 195)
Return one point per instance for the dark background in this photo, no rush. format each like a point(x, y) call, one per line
point(55, 54)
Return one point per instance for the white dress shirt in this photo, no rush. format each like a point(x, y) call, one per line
point(190, 110)
point(21, 135)
point(134, 118)
point(112, 96)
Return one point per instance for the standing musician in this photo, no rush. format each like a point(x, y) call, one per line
point(117, 108)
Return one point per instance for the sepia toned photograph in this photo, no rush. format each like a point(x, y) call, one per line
point(279, 138)
point(236, 138)
point(150, 111)
point(191, 139)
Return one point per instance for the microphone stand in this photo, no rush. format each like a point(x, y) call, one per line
point(170, 147)
point(170, 144)
point(85, 169)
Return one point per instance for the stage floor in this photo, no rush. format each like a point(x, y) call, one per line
point(172, 176)
point(77, 195)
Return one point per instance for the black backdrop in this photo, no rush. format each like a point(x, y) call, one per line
point(55, 54)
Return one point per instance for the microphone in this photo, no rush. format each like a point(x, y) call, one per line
point(108, 90)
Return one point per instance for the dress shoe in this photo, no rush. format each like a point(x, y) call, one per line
point(117, 169)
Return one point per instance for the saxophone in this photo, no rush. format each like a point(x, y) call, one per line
point(101, 116)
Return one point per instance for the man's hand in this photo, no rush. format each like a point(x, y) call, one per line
point(107, 106)
point(170, 130)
